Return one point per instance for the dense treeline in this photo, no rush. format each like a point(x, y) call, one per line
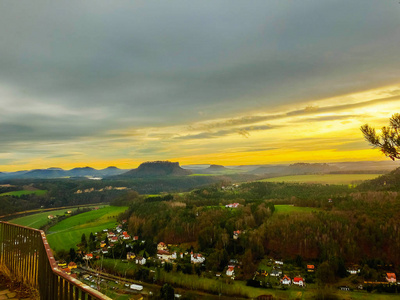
point(348, 226)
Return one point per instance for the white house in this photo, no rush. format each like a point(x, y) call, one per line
point(298, 281)
point(230, 271)
point(285, 280)
point(140, 260)
point(196, 258)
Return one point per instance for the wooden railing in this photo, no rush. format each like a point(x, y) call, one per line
point(26, 255)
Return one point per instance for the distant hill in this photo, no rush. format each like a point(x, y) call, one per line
point(214, 169)
point(389, 182)
point(52, 173)
point(81, 172)
point(295, 169)
point(157, 169)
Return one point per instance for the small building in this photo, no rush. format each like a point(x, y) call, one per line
point(310, 268)
point(236, 234)
point(276, 273)
point(110, 234)
point(298, 281)
point(391, 277)
point(285, 280)
point(130, 255)
point(50, 217)
point(232, 205)
point(88, 256)
point(140, 260)
point(196, 258)
point(62, 263)
point(353, 270)
point(278, 262)
point(66, 271)
point(230, 271)
point(162, 246)
point(125, 236)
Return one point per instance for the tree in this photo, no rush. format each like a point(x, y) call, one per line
point(83, 241)
point(167, 292)
point(389, 139)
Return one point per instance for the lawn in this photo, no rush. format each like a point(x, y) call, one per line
point(67, 233)
point(287, 209)
point(325, 178)
point(39, 219)
point(24, 192)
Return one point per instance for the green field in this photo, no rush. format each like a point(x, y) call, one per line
point(287, 209)
point(325, 178)
point(67, 233)
point(39, 219)
point(24, 192)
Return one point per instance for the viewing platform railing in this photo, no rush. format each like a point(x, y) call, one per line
point(26, 255)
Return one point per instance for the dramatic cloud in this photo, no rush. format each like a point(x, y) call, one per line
point(110, 79)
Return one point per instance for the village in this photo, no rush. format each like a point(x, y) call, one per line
point(271, 273)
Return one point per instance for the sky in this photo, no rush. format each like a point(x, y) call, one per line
point(115, 83)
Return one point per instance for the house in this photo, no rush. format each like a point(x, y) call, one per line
point(164, 255)
point(110, 234)
point(310, 268)
point(72, 265)
point(103, 244)
point(230, 271)
point(196, 258)
point(161, 246)
point(50, 217)
point(140, 260)
point(276, 273)
point(88, 256)
point(136, 237)
point(114, 239)
point(285, 280)
point(104, 250)
point(62, 264)
point(298, 281)
point(353, 270)
point(69, 211)
point(236, 234)
point(232, 205)
point(391, 277)
point(278, 262)
point(125, 236)
point(130, 255)
point(344, 288)
point(66, 271)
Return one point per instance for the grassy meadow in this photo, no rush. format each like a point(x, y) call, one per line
point(67, 233)
point(287, 209)
point(325, 178)
point(40, 219)
point(24, 192)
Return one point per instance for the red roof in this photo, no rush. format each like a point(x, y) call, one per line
point(285, 277)
point(391, 275)
point(310, 266)
point(298, 279)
